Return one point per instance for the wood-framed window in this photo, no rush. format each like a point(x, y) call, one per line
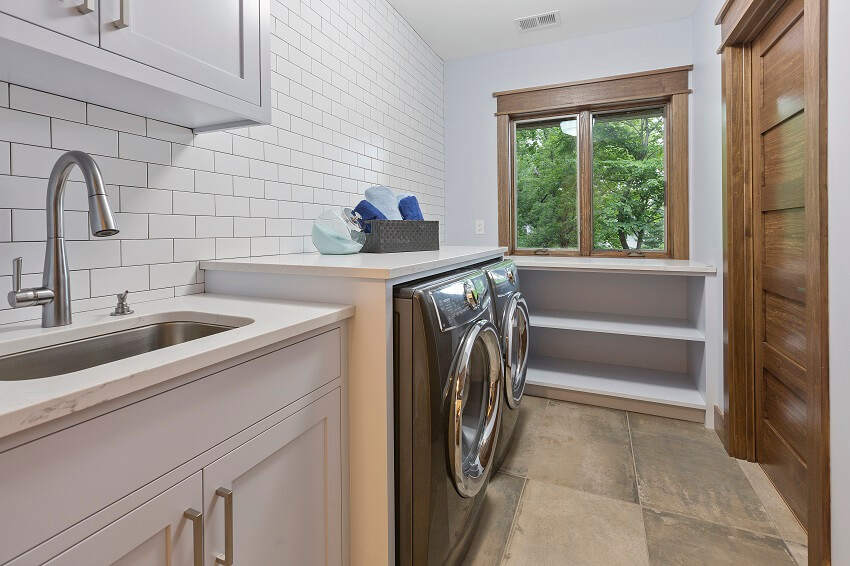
point(596, 168)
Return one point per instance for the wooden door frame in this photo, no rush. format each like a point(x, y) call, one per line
point(741, 22)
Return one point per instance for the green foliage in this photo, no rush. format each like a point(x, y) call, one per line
point(628, 184)
point(547, 188)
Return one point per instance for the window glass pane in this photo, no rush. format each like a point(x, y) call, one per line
point(547, 184)
point(628, 180)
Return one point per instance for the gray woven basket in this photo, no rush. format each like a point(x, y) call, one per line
point(389, 236)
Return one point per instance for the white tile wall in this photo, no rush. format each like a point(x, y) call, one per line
point(357, 100)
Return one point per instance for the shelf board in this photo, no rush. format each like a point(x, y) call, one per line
point(629, 325)
point(624, 382)
point(615, 265)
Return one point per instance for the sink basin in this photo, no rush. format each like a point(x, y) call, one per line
point(99, 350)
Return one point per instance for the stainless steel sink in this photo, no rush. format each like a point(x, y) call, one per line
point(99, 350)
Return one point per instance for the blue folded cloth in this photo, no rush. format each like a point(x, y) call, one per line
point(367, 211)
point(408, 205)
point(383, 198)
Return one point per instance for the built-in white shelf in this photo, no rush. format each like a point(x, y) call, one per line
point(648, 326)
point(652, 386)
point(615, 265)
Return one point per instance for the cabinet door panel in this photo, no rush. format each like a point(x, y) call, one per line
point(287, 499)
point(155, 534)
point(215, 43)
point(60, 16)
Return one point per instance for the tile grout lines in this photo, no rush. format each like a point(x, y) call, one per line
point(513, 522)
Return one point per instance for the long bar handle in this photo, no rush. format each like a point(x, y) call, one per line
point(17, 271)
point(87, 6)
point(197, 519)
point(227, 495)
point(123, 20)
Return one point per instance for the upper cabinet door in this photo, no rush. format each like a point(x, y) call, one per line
point(74, 18)
point(277, 499)
point(215, 43)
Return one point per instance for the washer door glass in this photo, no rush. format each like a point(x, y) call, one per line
point(515, 344)
point(474, 404)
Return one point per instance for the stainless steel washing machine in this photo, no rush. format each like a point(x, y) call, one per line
point(448, 401)
point(511, 316)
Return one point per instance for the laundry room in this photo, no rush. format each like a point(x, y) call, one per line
point(392, 282)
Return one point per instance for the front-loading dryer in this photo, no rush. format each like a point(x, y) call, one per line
point(448, 399)
point(512, 320)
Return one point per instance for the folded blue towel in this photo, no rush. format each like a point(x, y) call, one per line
point(408, 205)
point(367, 211)
point(383, 198)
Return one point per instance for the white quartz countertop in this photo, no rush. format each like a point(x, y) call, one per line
point(615, 265)
point(25, 404)
point(366, 266)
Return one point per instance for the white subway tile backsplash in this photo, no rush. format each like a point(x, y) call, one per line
point(357, 100)
point(214, 226)
point(46, 104)
point(116, 280)
point(172, 274)
point(145, 252)
point(140, 148)
point(115, 120)
point(170, 178)
point(91, 139)
point(193, 203)
point(171, 226)
point(23, 127)
point(213, 183)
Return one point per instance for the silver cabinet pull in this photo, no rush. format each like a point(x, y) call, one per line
point(123, 20)
point(197, 519)
point(227, 495)
point(87, 6)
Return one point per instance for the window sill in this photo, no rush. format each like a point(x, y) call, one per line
point(615, 265)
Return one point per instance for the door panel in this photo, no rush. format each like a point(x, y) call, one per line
point(781, 256)
point(215, 43)
point(60, 16)
point(287, 498)
point(155, 534)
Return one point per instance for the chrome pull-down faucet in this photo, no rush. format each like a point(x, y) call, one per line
point(54, 295)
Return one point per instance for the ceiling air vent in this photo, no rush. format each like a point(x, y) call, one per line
point(549, 19)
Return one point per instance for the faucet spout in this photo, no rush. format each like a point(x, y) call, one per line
point(101, 221)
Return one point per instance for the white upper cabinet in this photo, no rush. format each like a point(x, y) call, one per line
point(74, 18)
point(201, 64)
point(211, 42)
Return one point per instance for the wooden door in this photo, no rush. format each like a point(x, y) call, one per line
point(782, 257)
point(158, 533)
point(61, 16)
point(216, 44)
point(286, 493)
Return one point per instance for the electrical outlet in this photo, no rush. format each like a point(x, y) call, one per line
point(479, 227)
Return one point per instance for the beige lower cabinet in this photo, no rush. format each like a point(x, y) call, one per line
point(158, 533)
point(285, 503)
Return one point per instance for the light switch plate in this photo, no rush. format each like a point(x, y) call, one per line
point(479, 227)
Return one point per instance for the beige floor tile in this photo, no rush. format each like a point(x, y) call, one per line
point(559, 526)
point(678, 540)
point(800, 552)
point(683, 468)
point(783, 519)
point(585, 448)
point(497, 517)
point(526, 434)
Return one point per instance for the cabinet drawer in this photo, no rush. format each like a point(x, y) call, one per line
point(80, 470)
point(61, 16)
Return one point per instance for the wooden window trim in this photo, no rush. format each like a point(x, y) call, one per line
point(662, 87)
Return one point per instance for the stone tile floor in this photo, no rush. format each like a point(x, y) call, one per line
point(587, 485)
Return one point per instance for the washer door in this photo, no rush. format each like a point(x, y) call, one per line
point(515, 346)
point(474, 405)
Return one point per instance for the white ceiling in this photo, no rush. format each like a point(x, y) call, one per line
point(462, 28)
